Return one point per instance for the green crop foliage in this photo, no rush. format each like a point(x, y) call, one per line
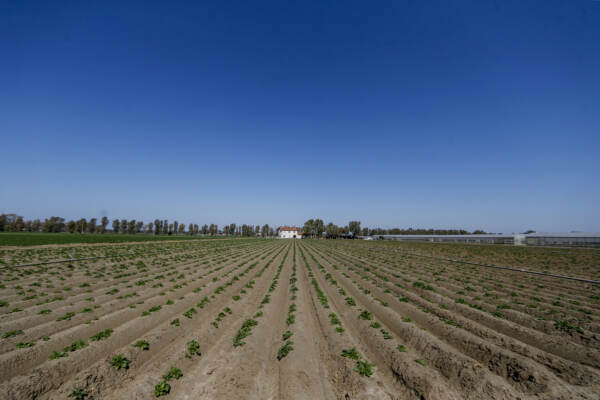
point(78, 394)
point(401, 348)
point(365, 314)
point(364, 368)
point(334, 320)
point(105, 334)
point(36, 239)
point(10, 334)
point(352, 353)
point(119, 361)
point(287, 335)
point(173, 373)
point(386, 334)
point(193, 348)
point(162, 389)
point(564, 325)
point(76, 345)
point(57, 354)
point(285, 349)
point(66, 317)
point(142, 345)
point(245, 331)
point(24, 345)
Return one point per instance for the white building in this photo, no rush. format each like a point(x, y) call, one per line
point(289, 232)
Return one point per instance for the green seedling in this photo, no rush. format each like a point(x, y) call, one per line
point(119, 361)
point(351, 353)
point(162, 389)
point(57, 354)
point(76, 345)
point(105, 334)
point(285, 349)
point(78, 394)
point(365, 314)
point(173, 373)
point(193, 348)
point(142, 345)
point(10, 334)
point(364, 368)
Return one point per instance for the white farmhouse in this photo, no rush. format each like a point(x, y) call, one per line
point(289, 232)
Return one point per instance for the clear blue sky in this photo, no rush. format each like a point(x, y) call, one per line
point(443, 114)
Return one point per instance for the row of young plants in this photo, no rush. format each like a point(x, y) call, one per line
point(85, 295)
point(159, 275)
point(165, 314)
point(28, 275)
point(362, 366)
point(403, 359)
point(164, 386)
point(223, 288)
point(243, 291)
point(564, 261)
point(363, 314)
point(26, 255)
point(247, 326)
point(498, 309)
point(69, 315)
point(494, 285)
point(471, 345)
point(61, 272)
point(288, 344)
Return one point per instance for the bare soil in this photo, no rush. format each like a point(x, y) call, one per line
point(420, 329)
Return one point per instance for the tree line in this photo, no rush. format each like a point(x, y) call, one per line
point(316, 228)
point(313, 228)
point(16, 223)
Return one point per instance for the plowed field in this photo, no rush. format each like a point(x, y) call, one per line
point(289, 319)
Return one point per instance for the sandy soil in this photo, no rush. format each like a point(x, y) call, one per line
point(429, 330)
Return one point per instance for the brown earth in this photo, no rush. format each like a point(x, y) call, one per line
point(433, 330)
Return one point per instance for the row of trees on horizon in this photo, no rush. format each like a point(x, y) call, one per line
point(317, 228)
point(314, 228)
point(16, 223)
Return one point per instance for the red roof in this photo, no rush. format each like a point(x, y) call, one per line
point(288, 228)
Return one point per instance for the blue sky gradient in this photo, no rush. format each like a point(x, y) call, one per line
point(471, 114)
